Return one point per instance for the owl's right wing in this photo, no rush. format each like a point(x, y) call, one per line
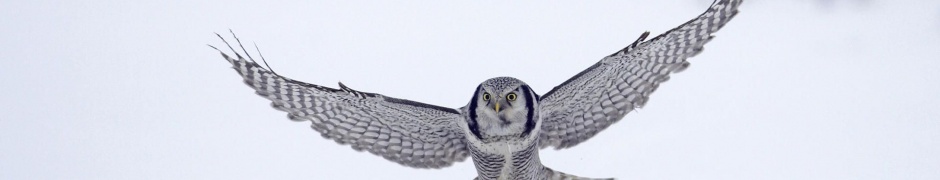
point(410, 133)
point(604, 93)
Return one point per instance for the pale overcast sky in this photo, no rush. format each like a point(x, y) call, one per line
point(803, 89)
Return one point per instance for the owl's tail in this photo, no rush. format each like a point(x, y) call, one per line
point(549, 174)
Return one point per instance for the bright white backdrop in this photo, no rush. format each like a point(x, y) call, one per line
point(835, 89)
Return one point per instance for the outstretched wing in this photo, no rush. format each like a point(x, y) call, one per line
point(601, 95)
point(410, 133)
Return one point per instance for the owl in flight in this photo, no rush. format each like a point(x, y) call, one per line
point(506, 122)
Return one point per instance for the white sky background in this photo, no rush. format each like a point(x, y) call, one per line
point(805, 89)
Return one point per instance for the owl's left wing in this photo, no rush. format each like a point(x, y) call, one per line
point(601, 95)
point(410, 133)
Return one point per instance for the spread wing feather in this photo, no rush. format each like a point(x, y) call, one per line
point(601, 95)
point(410, 133)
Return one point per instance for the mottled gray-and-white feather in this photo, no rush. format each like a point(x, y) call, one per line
point(604, 93)
point(410, 133)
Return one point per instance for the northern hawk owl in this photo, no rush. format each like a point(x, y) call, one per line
point(506, 122)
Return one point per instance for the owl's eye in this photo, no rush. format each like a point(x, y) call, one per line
point(486, 96)
point(511, 96)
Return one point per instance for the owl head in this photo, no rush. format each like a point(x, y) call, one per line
point(502, 107)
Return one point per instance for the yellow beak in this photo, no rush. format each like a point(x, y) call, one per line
point(497, 107)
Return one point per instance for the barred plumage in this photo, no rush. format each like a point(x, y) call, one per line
point(601, 95)
point(505, 123)
point(409, 133)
